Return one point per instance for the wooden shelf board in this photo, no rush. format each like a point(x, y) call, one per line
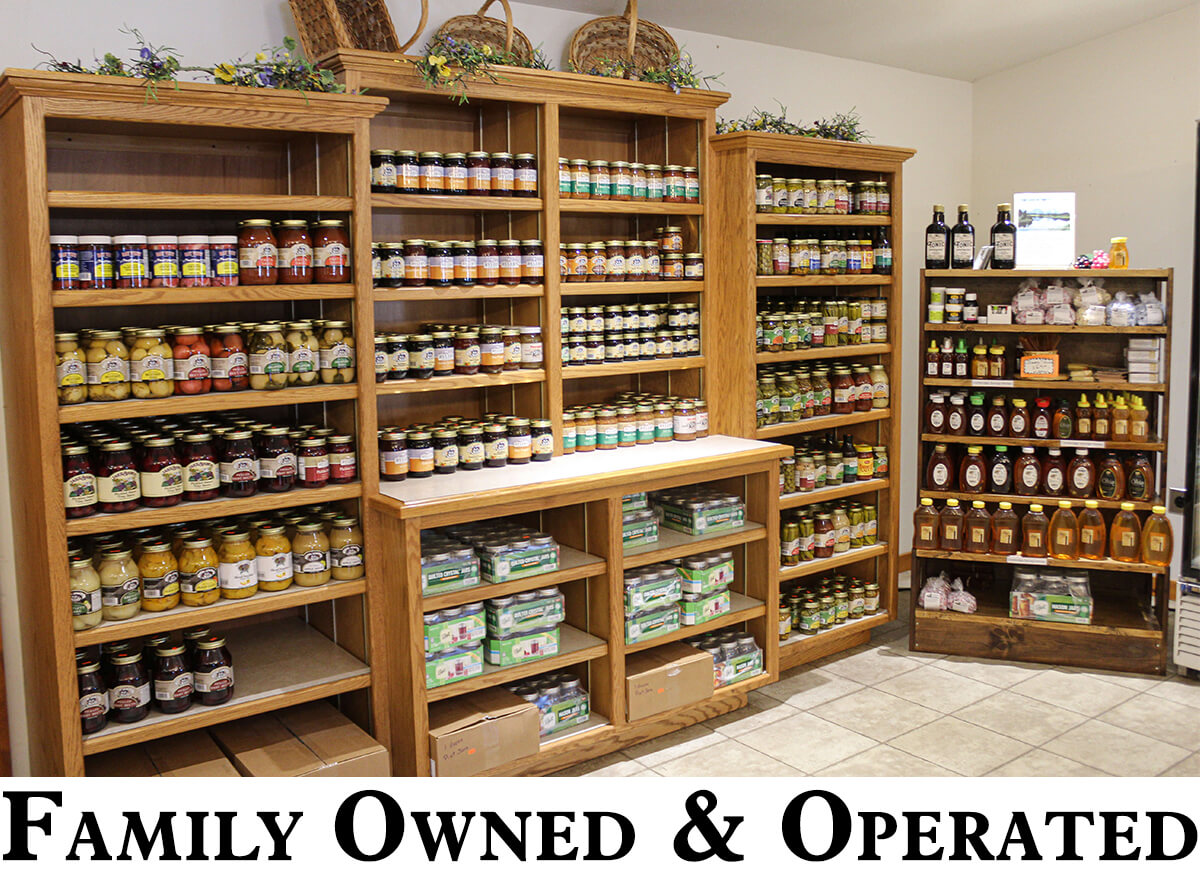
point(1043, 443)
point(197, 202)
point(628, 207)
point(590, 289)
point(277, 664)
point(1064, 329)
point(820, 281)
point(476, 292)
point(633, 367)
point(823, 422)
point(672, 544)
point(574, 646)
point(458, 382)
point(745, 685)
point(1017, 560)
point(1045, 384)
point(815, 567)
point(1111, 618)
point(215, 508)
point(825, 494)
point(182, 296)
point(594, 722)
point(458, 203)
point(213, 402)
point(1018, 499)
point(180, 617)
point(768, 218)
point(741, 608)
point(1045, 273)
point(798, 649)
point(573, 565)
point(870, 349)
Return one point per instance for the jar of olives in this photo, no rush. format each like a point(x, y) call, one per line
point(268, 359)
point(302, 349)
point(107, 367)
point(337, 353)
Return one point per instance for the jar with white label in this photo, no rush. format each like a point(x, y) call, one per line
point(86, 605)
point(310, 555)
point(237, 567)
point(120, 586)
point(531, 348)
point(346, 550)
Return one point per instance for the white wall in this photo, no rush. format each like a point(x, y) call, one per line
point(900, 108)
point(1115, 121)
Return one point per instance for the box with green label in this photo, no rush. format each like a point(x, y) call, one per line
point(708, 578)
point(639, 527)
point(505, 618)
point(629, 502)
point(644, 626)
point(698, 519)
point(567, 713)
point(699, 608)
point(740, 668)
point(656, 590)
point(517, 563)
point(453, 665)
point(1051, 607)
point(453, 633)
point(444, 577)
point(512, 650)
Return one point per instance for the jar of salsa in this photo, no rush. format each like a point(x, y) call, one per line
point(118, 484)
point(599, 184)
point(312, 463)
point(525, 175)
point(160, 474)
point(331, 252)
point(212, 671)
point(199, 462)
point(825, 537)
point(258, 254)
point(842, 383)
point(295, 252)
point(79, 482)
point(691, 185)
point(503, 174)
point(655, 185)
point(581, 188)
point(276, 461)
point(239, 465)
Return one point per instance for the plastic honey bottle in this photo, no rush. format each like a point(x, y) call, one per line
point(1120, 420)
point(977, 529)
point(1158, 541)
point(1006, 530)
point(1093, 536)
point(925, 525)
point(951, 527)
point(1034, 530)
point(1125, 538)
point(1064, 533)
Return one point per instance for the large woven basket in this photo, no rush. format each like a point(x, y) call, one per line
point(622, 37)
point(327, 25)
point(502, 36)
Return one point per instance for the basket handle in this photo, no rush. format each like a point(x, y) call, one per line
point(508, 22)
point(632, 14)
point(420, 26)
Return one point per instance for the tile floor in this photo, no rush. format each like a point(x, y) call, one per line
point(881, 710)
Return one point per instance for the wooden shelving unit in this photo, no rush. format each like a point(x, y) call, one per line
point(1128, 630)
point(738, 157)
point(91, 154)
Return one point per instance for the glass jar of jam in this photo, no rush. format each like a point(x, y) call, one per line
point(525, 175)
point(467, 354)
point(408, 172)
point(479, 173)
point(509, 262)
point(455, 163)
point(93, 697)
point(470, 448)
point(421, 356)
point(693, 266)
point(397, 356)
point(312, 463)
point(441, 264)
point(691, 185)
point(445, 451)
point(212, 671)
point(129, 692)
point(118, 485)
point(393, 455)
point(200, 472)
point(432, 173)
point(495, 445)
point(173, 688)
point(258, 255)
point(79, 483)
point(599, 180)
point(520, 441)
point(276, 461)
point(488, 253)
point(577, 262)
point(295, 252)
point(443, 353)
point(674, 188)
point(532, 262)
point(383, 171)
point(160, 474)
point(331, 251)
point(239, 465)
point(466, 263)
point(503, 174)
point(541, 440)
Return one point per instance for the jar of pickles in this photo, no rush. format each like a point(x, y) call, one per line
point(336, 353)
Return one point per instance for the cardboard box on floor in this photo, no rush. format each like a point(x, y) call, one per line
point(313, 740)
point(189, 755)
point(660, 679)
point(478, 731)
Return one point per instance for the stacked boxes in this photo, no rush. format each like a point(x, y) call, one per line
point(662, 597)
point(736, 655)
point(699, 509)
point(454, 558)
point(523, 627)
point(639, 525)
point(446, 565)
point(1054, 595)
point(705, 580)
point(560, 699)
point(1143, 360)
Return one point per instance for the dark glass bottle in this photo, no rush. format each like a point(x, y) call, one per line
point(962, 241)
point(883, 253)
point(129, 694)
point(937, 240)
point(1004, 239)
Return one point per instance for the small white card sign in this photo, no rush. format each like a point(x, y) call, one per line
point(1045, 230)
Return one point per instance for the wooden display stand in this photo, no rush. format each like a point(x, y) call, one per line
point(96, 154)
point(738, 157)
point(1128, 629)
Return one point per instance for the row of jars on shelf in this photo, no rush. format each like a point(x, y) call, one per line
point(1121, 418)
point(1065, 536)
point(484, 263)
point(155, 463)
point(117, 682)
point(456, 349)
point(863, 253)
point(790, 392)
point(820, 196)
point(111, 365)
point(634, 419)
point(458, 444)
point(820, 323)
point(454, 173)
point(821, 462)
point(823, 530)
point(615, 260)
point(264, 252)
point(586, 349)
point(581, 179)
point(1030, 474)
point(809, 606)
point(156, 569)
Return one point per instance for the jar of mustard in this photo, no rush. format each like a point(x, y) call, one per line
point(346, 549)
point(198, 584)
point(160, 577)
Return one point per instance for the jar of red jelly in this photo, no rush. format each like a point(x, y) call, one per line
point(118, 485)
point(201, 479)
point(160, 473)
point(258, 256)
point(239, 465)
point(193, 367)
point(343, 462)
point(129, 692)
point(312, 463)
point(276, 461)
point(331, 252)
point(79, 482)
point(212, 671)
point(295, 252)
point(93, 697)
point(229, 365)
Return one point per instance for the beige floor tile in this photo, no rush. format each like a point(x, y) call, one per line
point(870, 665)
point(998, 673)
point(959, 746)
point(1020, 717)
point(655, 751)
point(884, 761)
point(1078, 692)
point(1159, 718)
point(759, 711)
point(1181, 690)
point(646, 773)
point(610, 765)
point(937, 689)
point(875, 714)
point(1042, 764)
point(807, 742)
point(1189, 768)
point(1131, 680)
point(898, 645)
point(728, 758)
point(809, 687)
point(1115, 750)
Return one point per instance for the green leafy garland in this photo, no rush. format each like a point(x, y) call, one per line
point(680, 72)
point(844, 126)
point(451, 63)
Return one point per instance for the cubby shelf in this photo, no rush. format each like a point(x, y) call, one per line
point(435, 202)
point(140, 201)
point(185, 296)
point(184, 404)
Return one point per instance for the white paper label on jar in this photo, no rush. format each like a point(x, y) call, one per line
point(152, 367)
point(310, 562)
point(220, 678)
point(166, 482)
point(1054, 480)
point(123, 486)
point(80, 490)
point(195, 366)
point(85, 602)
point(531, 352)
point(239, 469)
point(238, 575)
point(71, 372)
point(295, 256)
point(129, 696)
point(264, 254)
point(941, 474)
point(973, 477)
point(93, 705)
point(270, 361)
point(273, 467)
point(274, 567)
point(1082, 478)
point(179, 687)
point(346, 557)
point(110, 370)
point(200, 475)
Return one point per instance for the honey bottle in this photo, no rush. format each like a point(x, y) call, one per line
point(1006, 530)
point(1125, 538)
point(1120, 420)
point(947, 358)
point(977, 529)
point(1034, 529)
point(1093, 536)
point(950, 527)
point(1139, 420)
point(979, 361)
point(973, 471)
point(1158, 542)
point(1064, 533)
point(1101, 420)
point(932, 360)
point(939, 473)
point(925, 525)
point(1083, 418)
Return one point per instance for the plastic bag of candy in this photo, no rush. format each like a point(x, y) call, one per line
point(1149, 311)
point(935, 593)
point(1121, 311)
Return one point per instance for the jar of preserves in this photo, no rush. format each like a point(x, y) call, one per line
point(346, 550)
point(258, 253)
point(495, 445)
point(455, 173)
point(107, 367)
point(532, 262)
point(599, 180)
point(310, 555)
point(132, 261)
point(276, 461)
point(432, 172)
point(479, 173)
point(120, 585)
point(200, 471)
point(273, 559)
point(228, 363)
point(331, 251)
point(160, 474)
point(198, 573)
point(312, 463)
point(471, 453)
point(118, 485)
point(445, 451)
point(383, 171)
point(238, 468)
point(336, 353)
point(160, 577)
point(393, 455)
point(691, 185)
point(237, 567)
point(511, 337)
point(79, 482)
point(129, 690)
point(421, 356)
point(466, 263)
point(268, 358)
point(580, 179)
point(520, 441)
point(86, 596)
point(671, 269)
point(674, 188)
point(416, 263)
point(440, 260)
point(70, 369)
point(503, 174)
point(295, 252)
point(531, 348)
point(443, 353)
point(212, 671)
point(173, 682)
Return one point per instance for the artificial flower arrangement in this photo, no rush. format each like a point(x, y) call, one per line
point(844, 126)
point(451, 63)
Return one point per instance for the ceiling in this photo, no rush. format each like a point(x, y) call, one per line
point(961, 39)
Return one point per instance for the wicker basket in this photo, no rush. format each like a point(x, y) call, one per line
point(327, 25)
point(622, 36)
point(481, 31)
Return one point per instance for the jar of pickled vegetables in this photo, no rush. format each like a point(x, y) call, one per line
point(160, 577)
point(302, 349)
point(268, 359)
point(192, 366)
point(70, 367)
point(151, 365)
point(337, 353)
point(198, 562)
point(107, 367)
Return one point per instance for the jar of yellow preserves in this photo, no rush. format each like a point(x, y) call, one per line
point(198, 584)
point(346, 549)
point(86, 609)
point(273, 554)
point(120, 585)
point(160, 577)
point(237, 566)
point(310, 555)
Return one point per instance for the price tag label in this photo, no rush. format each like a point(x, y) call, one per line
point(1080, 443)
point(992, 383)
point(1027, 561)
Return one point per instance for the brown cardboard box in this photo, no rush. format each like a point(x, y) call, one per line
point(662, 678)
point(311, 740)
point(190, 755)
point(131, 762)
point(473, 733)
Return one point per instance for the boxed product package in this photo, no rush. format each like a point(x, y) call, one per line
point(531, 610)
point(666, 677)
point(639, 527)
point(705, 573)
point(194, 755)
point(651, 624)
point(699, 509)
point(479, 731)
point(314, 740)
point(501, 563)
point(446, 568)
point(451, 628)
point(561, 701)
point(651, 586)
point(522, 647)
point(1051, 595)
point(565, 713)
point(629, 502)
point(453, 664)
point(698, 608)
point(735, 655)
